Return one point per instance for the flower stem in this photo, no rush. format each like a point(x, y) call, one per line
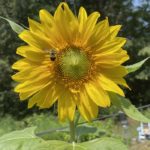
point(72, 131)
point(77, 119)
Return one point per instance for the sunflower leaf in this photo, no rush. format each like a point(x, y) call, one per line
point(61, 145)
point(21, 140)
point(27, 140)
point(85, 129)
point(136, 66)
point(129, 109)
point(101, 143)
point(105, 144)
point(15, 27)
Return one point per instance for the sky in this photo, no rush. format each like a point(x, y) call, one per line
point(136, 2)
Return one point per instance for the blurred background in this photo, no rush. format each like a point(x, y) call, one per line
point(133, 15)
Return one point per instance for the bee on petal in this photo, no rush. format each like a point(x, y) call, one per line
point(52, 54)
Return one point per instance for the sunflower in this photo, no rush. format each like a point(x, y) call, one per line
point(74, 60)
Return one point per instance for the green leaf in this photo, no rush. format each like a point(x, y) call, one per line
point(136, 66)
point(60, 145)
point(104, 144)
point(85, 129)
point(15, 27)
point(21, 140)
point(26, 140)
point(97, 144)
point(129, 109)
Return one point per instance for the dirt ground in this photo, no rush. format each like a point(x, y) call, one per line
point(145, 145)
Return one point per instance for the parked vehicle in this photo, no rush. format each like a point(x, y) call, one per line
point(143, 131)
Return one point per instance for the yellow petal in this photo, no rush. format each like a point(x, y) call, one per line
point(34, 85)
point(109, 60)
point(51, 30)
point(90, 106)
point(29, 73)
point(32, 53)
point(99, 35)
point(44, 98)
point(122, 81)
point(97, 94)
point(111, 46)
point(82, 17)
point(46, 18)
point(114, 30)
point(66, 22)
point(35, 27)
point(23, 49)
point(24, 96)
point(66, 106)
point(35, 40)
point(109, 85)
point(89, 26)
point(36, 56)
point(24, 64)
point(84, 112)
point(48, 22)
point(116, 74)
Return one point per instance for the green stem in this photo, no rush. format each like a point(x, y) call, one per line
point(77, 119)
point(72, 131)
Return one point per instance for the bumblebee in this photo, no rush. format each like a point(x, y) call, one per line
point(52, 54)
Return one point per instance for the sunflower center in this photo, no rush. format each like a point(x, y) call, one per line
point(74, 63)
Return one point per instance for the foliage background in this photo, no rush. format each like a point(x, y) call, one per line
point(136, 25)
